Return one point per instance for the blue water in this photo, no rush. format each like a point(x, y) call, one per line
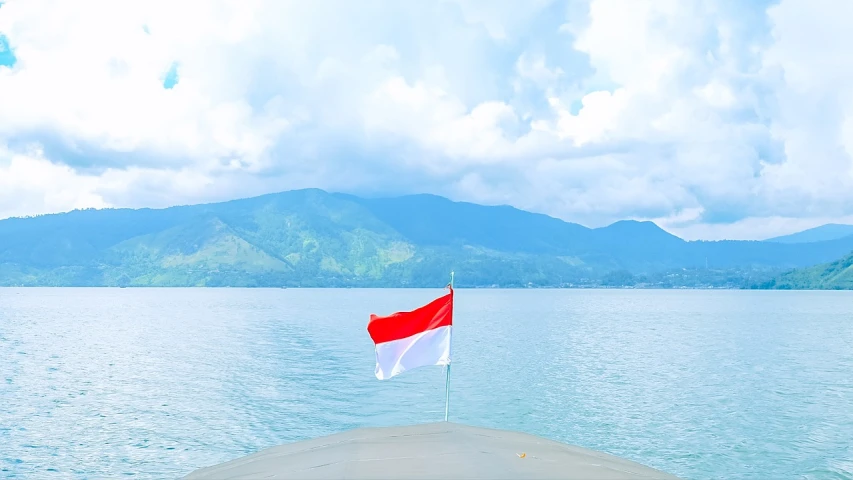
point(102, 383)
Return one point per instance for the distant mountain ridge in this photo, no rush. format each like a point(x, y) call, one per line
point(314, 238)
point(830, 231)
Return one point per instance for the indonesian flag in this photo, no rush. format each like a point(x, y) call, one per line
point(407, 340)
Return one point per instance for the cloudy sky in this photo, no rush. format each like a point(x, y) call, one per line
point(714, 118)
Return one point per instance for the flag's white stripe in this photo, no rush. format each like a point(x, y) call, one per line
point(431, 347)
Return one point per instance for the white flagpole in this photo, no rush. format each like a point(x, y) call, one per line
point(447, 381)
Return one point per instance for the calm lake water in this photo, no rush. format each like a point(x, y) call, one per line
point(98, 383)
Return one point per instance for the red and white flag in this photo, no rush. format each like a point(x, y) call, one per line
point(407, 340)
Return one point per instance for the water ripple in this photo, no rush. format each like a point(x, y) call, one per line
point(104, 383)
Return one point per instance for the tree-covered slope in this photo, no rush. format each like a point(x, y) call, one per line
point(837, 275)
point(299, 238)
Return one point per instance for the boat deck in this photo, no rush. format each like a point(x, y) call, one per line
point(430, 451)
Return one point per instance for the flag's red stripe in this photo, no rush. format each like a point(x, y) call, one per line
point(438, 313)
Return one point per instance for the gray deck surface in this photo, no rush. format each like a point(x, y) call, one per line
point(432, 451)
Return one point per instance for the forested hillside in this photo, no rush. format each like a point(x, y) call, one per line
point(315, 238)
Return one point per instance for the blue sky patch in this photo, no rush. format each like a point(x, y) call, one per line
point(171, 79)
point(7, 56)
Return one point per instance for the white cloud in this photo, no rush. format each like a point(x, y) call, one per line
point(707, 116)
point(601, 113)
point(533, 67)
point(100, 83)
point(814, 105)
point(31, 185)
point(438, 121)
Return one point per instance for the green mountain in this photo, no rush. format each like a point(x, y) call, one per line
point(837, 275)
point(830, 231)
point(315, 238)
